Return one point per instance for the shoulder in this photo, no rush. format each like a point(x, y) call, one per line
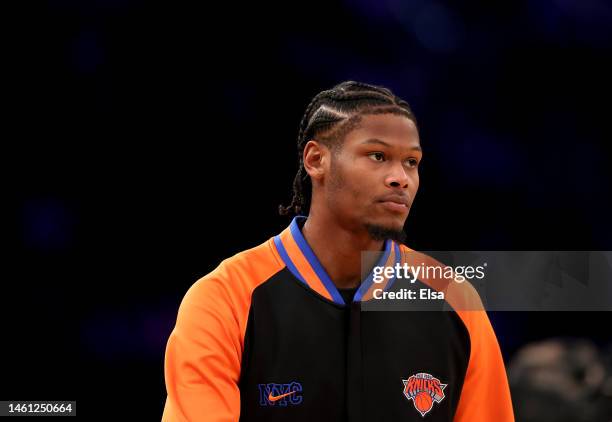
point(460, 294)
point(234, 279)
point(462, 297)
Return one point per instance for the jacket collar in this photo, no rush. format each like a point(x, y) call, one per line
point(305, 266)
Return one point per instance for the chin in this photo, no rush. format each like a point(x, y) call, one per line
point(386, 230)
point(391, 222)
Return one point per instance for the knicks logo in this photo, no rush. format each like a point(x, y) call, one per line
point(280, 394)
point(423, 389)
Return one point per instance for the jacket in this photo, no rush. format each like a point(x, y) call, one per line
point(266, 336)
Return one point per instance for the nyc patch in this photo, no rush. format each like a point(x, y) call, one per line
point(423, 389)
point(281, 395)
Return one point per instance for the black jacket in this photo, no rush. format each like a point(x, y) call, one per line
point(266, 336)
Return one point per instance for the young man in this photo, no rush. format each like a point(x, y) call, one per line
point(279, 333)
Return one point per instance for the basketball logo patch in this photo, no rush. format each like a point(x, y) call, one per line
point(424, 389)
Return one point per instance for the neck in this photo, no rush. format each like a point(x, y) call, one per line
point(339, 249)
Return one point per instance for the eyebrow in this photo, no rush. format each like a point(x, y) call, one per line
point(378, 141)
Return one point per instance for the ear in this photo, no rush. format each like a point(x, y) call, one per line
point(316, 159)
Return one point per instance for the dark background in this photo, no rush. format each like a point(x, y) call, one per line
point(148, 141)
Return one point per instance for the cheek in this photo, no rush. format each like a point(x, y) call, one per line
point(358, 188)
point(347, 194)
point(415, 182)
point(349, 188)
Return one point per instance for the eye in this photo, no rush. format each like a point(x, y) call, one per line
point(377, 156)
point(412, 162)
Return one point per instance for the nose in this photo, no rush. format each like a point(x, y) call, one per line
point(398, 178)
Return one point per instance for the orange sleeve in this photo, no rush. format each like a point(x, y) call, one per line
point(204, 351)
point(485, 395)
point(203, 355)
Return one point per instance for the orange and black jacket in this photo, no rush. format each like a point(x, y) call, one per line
point(266, 336)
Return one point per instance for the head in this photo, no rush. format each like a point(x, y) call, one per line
point(359, 153)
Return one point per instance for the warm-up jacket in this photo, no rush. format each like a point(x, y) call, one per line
point(266, 336)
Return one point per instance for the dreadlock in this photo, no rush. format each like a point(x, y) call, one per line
point(329, 117)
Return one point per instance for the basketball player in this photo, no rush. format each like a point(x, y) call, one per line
point(278, 332)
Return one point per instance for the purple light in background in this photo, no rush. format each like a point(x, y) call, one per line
point(586, 21)
point(586, 11)
point(87, 51)
point(412, 83)
point(476, 155)
point(404, 9)
point(331, 60)
point(336, 63)
point(437, 28)
point(95, 7)
point(238, 98)
point(547, 19)
point(47, 224)
point(114, 335)
point(487, 159)
point(372, 11)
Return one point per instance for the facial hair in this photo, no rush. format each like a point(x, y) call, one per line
point(378, 232)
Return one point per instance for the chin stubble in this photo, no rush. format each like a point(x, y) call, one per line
point(377, 232)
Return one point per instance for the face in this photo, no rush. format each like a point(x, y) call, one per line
point(373, 177)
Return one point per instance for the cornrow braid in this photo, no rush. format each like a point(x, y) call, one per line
point(329, 117)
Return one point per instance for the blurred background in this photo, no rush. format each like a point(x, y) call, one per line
point(147, 141)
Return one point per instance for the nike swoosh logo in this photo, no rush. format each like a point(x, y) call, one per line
point(275, 398)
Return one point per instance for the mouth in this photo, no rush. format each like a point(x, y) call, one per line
point(395, 203)
point(393, 206)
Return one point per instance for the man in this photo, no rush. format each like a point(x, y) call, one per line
point(279, 333)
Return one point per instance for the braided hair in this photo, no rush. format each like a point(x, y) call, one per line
point(329, 117)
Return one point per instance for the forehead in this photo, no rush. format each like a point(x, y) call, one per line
point(391, 128)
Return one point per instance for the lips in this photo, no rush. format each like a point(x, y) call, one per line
point(397, 199)
point(396, 203)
